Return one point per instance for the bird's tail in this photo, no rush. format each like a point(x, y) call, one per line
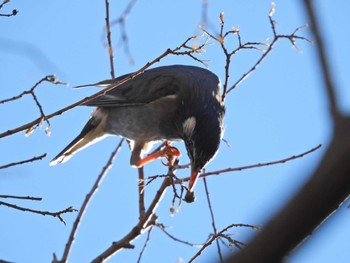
point(92, 132)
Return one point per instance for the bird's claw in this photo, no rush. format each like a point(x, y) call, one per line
point(169, 152)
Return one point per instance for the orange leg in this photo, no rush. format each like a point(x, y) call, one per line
point(167, 151)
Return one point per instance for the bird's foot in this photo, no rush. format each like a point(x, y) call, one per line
point(169, 152)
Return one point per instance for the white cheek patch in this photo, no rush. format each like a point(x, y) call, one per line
point(188, 125)
point(217, 94)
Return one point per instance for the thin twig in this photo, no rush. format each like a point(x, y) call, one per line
point(49, 78)
point(14, 11)
point(139, 228)
point(270, 46)
point(124, 40)
point(109, 40)
point(3, 3)
point(162, 227)
point(141, 187)
point(172, 180)
point(219, 234)
point(145, 245)
point(35, 158)
point(248, 45)
point(238, 244)
point(22, 197)
point(44, 213)
point(241, 168)
point(294, 157)
point(212, 218)
point(86, 202)
point(150, 179)
point(326, 72)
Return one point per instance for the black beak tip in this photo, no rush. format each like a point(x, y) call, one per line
point(190, 197)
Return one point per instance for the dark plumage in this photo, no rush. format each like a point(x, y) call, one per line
point(165, 103)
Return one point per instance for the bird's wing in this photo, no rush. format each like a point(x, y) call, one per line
point(144, 88)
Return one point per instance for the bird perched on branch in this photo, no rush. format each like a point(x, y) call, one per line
point(166, 103)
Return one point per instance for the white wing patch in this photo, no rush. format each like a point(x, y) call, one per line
point(188, 125)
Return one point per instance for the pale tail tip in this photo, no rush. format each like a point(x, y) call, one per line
point(59, 159)
point(53, 162)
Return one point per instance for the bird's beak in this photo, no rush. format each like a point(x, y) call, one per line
point(189, 198)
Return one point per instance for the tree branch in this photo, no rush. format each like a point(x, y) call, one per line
point(49, 78)
point(145, 245)
point(109, 40)
point(162, 227)
point(326, 190)
point(35, 158)
point(148, 220)
point(44, 213)
point(323, 61)
point(141, 188)
point(14, 11)
point(124, 40)
point(85, 204)
point(284, 160)
point(212, 218)
point(218, 235)
point(248, 45)
point(22, 197)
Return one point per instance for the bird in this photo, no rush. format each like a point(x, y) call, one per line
point(167, 103)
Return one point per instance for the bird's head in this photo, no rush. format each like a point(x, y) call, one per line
point(202, 135)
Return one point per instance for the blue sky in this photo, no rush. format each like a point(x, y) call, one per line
point(278, 112)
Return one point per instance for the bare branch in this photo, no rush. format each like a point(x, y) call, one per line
point(329, 184)
point(14, 11)
point(145, 245)
point(219, 234)
point(124, 40)
point(3, 3)
point(35, 158)
point(292, 37)
point(147, 221)
point(232, 242)
point(109, 40)
point(332, 173)
point(141, 193)
point(284, 160)
point(144, 223)
point(326, 73)
point(44, 213)
point(50, 78)
point(294, 157)
point(162, 227)
point(86, 202)
point(173, 180)
point(249, 45)
point(212, 217)
point(22, 197)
